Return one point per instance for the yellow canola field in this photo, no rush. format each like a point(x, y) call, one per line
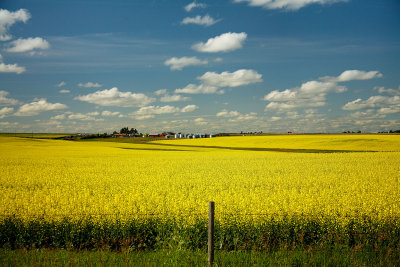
point(52, 179)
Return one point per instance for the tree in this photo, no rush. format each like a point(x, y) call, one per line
point(124, 130)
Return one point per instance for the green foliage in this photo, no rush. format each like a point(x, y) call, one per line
point(145, 235)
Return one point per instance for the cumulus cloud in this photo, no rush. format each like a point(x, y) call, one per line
point(189, 108)
point(14, 68)
point(287, 4)
point(64, 91)
point(200, 121)
point(113, 97)
point(5, 101)
point(150, 111)
point(29, 44)
point(179, 63)
point(36, 107)
point(389, 91)
point(58, 117)
point(236, 116)
point(199, 20)
point(309, 94)
point(89, 85)
point(107, 113)
point(231, 79)
point(225, 113)
point(385, 103)
point(193, 5)
point(170, 98)
point(4, 112)
point(174, 98)
point(7, 19)
point(199, 89)
point(352, 75)
point(225, 42)
point(160, 92)
point(313, 93)
point(244, 117)
point(82, 117)
point(211, 82)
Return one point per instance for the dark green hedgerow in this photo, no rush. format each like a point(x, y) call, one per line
point(154, 234)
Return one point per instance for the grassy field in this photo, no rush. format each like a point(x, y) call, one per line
point(337, 257)
point(273, 194)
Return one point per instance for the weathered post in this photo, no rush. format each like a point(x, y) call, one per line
point(211, 208)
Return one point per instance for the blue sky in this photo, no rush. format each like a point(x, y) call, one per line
point(203, 66)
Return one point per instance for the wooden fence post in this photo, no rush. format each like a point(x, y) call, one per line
point(211, 209)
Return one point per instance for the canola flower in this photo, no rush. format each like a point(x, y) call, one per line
point(54, 180)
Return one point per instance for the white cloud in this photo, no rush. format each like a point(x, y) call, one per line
point(199, 89)
point(199, 20)
point(61, 84)
point(313, 93)
point(150, 111)
point(64, 91)
point(200, 121)
point(11, 68)
point(89, 85)
point(5, 111)
point(37, 107)
point(225, 42)
point(81, 117)
point(225, 113)
point(113, 97)
point(352, 75)
point(231, 79)
point(287, 4)
point(212, 81)
point(179, 63)
point(245, 117)
point(274, 118)
point(236, 116)
point(107, 113)
point(309, 94)
point(29, 44)
point(383, 90)
point(383, 102)
point(7, 19)
point(192, 5)
point(174, 98)
point(189, 108)
point(160, 92)
point(4, 101)
point(58, 117)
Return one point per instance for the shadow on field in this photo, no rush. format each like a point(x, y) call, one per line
point(290, 150)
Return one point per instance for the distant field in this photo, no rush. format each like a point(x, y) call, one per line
point(299, 142)
point(269, 191)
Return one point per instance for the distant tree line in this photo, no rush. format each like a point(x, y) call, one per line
point(125, 130)
point(391, 131)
